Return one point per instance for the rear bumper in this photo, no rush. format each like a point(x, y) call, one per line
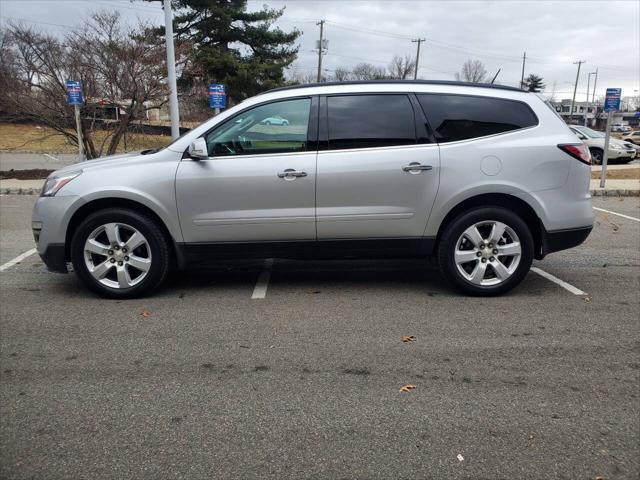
point(54, 257)
point(557, 240)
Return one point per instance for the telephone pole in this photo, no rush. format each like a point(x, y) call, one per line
point(321, 23)
point(418, 41)
point(575, 88)
point(524, 60)
point(595, 80)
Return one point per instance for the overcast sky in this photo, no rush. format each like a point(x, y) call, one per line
point(606, 34)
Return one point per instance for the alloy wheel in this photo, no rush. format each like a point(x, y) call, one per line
point(487, 253)
point(117, 255)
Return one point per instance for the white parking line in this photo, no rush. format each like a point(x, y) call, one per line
point(557, 281)
point(260, 290)
point(18, 259)
point(50, 156)
point(618, 214)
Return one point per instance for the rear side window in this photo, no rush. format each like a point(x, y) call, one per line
point(460, 117)
point(363, 121)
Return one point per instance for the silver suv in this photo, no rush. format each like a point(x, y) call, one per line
point(485, 178)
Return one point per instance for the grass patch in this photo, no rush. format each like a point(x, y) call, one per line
point(37, 139)
point(626, 174)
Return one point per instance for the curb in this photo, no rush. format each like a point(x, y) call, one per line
point(19, 191)
point(619, 192)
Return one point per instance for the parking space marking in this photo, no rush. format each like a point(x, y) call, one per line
point(260, 290)
point(618, 214)
point(50, 157)
point(557, 281)
point(18, 259)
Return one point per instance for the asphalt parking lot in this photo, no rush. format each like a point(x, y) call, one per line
point(204, 380)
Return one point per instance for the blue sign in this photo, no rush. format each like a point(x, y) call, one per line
point(217, 97)
point(74, 92)
point(612, 99)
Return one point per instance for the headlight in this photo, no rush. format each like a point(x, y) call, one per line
point(56, 182)
point(613, 146)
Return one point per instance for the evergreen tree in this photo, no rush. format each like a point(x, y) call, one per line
point(533, 83)
point(232, 46)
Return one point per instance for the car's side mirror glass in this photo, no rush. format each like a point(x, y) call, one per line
point(198, 149)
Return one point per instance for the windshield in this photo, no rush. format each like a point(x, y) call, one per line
point(586, 131)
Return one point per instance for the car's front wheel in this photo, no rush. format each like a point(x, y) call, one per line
point(596, 156)
point(486, 251)
point(120, 253)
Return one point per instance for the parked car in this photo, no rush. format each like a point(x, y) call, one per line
point(484, 178)
point(633, 137)
point(619, 151)
point(275, 121)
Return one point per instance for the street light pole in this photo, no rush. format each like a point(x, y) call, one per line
point(171, 70)
point(586, 113)
point(321, 23)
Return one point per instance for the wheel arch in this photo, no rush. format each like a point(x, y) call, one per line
point(504, 200)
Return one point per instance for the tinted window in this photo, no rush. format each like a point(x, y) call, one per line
point(458, 117)
point(272, 128)
point(361, 121)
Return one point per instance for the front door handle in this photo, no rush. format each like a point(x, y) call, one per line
point(291, 174)
point(415, 167)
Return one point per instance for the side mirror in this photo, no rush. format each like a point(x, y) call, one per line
point(198, 149)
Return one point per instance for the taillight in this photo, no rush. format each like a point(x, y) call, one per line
point(579, 151)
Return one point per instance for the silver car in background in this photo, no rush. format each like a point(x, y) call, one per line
point(485, 178)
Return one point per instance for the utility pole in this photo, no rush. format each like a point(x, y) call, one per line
point(418, 41)
point(524, 60)
point(595, 80)
point(321, 23)
point(588, 102)
point(575, 88)
point(171, 70)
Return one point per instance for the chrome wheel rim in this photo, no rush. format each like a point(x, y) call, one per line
point(117, 255)
point(487, 253)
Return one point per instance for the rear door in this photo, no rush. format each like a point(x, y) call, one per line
point(258, 183)
point(378, 170)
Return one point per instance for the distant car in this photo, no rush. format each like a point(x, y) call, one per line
point(619, 151)
point(618, 127)
point(633, 137)
point(275, 121)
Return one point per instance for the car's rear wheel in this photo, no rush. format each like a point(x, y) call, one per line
point(120, 253)
point(486, 251)
point(596, 155)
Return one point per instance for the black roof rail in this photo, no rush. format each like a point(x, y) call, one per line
point(408, 82)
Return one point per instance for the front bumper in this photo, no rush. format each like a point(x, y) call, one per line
point(557, 240)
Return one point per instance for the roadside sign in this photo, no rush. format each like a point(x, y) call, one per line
point(74, 92)
point(612, 99)
point(217, 96)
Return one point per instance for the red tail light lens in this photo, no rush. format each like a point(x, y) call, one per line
point(579, 151)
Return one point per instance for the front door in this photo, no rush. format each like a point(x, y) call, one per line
point(379, 176)
point(258, 183)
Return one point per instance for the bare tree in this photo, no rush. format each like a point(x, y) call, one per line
point(401, 68)
point(303, 78)
point(472, 71)
point(367, 71)
point(118, 66)
point(341, 74)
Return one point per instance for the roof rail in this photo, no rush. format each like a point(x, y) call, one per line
point(408, 82)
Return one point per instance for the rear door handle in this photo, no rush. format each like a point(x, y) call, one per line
point(291, 174)
point(415, 167)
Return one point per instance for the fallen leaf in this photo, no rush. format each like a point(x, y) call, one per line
point(407, 388)
point(587, 299)
point(408, 338)
point(145, 313)
point(460, 457)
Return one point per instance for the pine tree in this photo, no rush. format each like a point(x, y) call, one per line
point(534, 83)
point(232, 46)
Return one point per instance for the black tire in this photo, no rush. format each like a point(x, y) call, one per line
point(156, 239)
point(596, 155)
point(453, 231)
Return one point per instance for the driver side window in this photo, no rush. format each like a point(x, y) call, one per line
point(277, 127)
